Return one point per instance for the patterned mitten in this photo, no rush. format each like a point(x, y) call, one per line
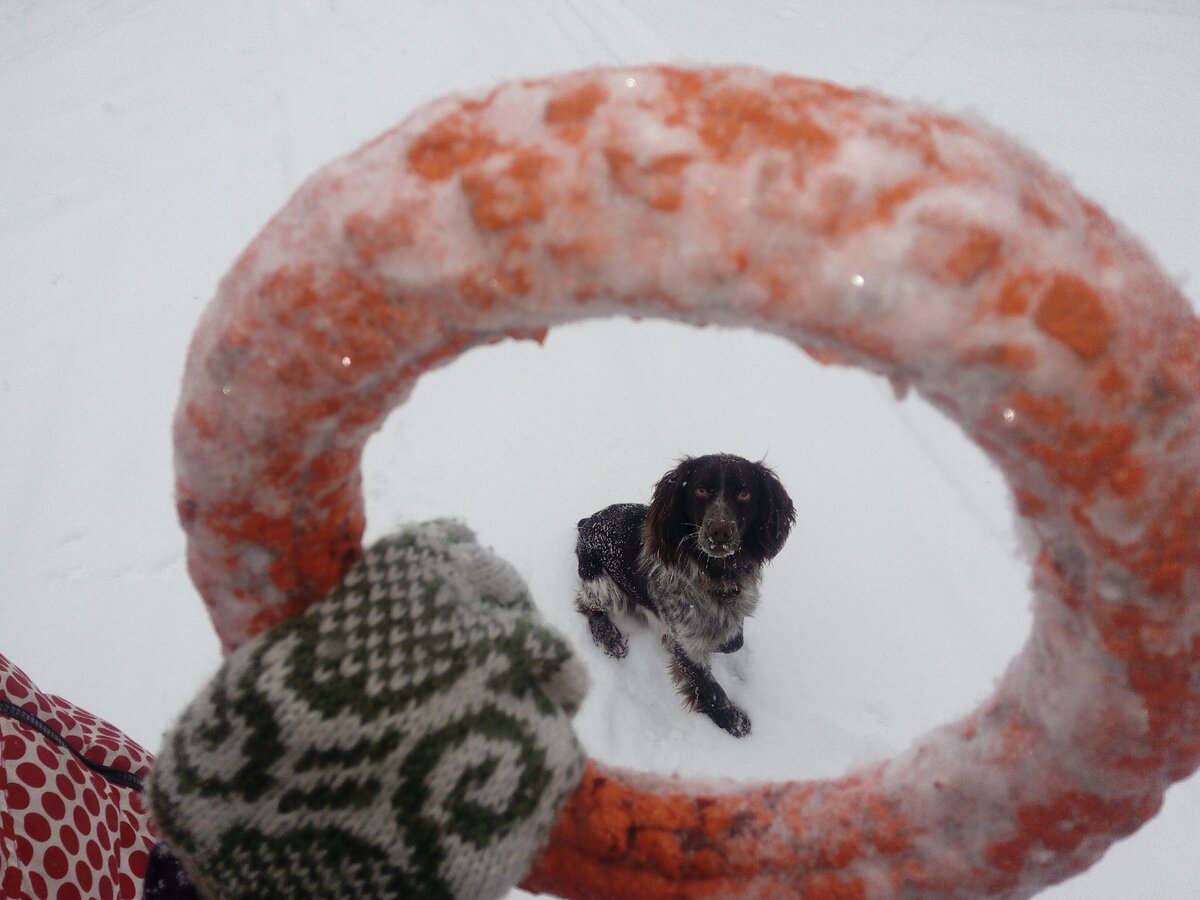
point(407, 736)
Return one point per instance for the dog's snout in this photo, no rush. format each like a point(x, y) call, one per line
point(721, 532)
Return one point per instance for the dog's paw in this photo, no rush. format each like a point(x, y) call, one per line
point(616, 648)
point(607, 636)
point(732, 720)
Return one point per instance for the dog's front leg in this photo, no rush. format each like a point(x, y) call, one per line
point(734, 644)
point(702, 693)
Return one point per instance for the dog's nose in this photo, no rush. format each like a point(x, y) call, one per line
point(720, 532)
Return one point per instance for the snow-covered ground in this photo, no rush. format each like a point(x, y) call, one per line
point(142, 144)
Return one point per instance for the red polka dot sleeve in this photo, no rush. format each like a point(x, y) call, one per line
point(68, 827)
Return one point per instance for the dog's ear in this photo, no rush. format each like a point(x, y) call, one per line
point(665, 527)
point(776, 516)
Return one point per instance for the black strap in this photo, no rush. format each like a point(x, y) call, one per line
point(116, 776)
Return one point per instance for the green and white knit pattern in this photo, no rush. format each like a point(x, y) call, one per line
point(408, 736)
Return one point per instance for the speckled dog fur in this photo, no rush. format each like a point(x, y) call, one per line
point(690, 562)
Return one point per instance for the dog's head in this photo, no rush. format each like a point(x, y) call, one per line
point(718, 507)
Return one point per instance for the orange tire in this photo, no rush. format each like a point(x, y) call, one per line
point(867, 231)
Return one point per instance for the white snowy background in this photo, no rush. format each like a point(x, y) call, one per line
point(143, 144)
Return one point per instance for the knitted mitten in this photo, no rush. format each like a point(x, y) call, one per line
point(407, 736)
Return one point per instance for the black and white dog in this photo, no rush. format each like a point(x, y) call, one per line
point(692, 559)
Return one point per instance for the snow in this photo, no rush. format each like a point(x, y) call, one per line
point(143, 144)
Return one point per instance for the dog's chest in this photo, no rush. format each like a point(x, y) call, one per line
point(700, 611)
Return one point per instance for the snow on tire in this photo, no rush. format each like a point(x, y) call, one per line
point(868, 231)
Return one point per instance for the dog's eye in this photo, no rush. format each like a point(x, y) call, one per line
point(743, 496)
point(702, 493)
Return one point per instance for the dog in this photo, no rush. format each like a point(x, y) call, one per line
point(692, 561)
